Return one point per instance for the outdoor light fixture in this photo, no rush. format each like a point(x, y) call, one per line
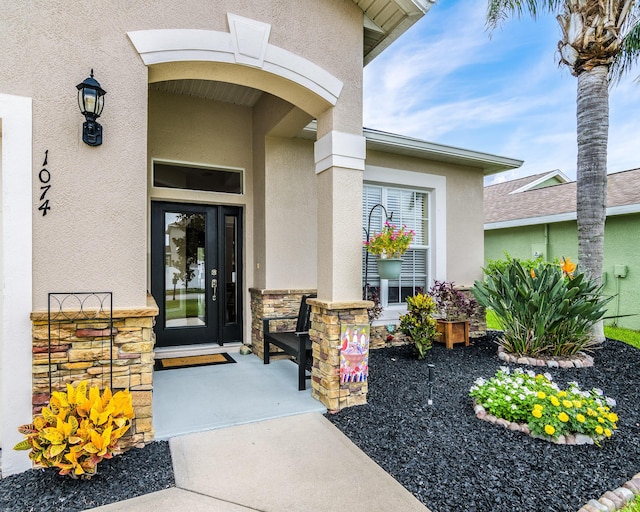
point(431, 369)
point(91, 103)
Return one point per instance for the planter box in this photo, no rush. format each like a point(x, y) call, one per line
point(453, 332)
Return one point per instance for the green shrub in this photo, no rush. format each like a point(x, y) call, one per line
point(418, 323)
point(546, 310)
point(495, 266)
point(534, 399)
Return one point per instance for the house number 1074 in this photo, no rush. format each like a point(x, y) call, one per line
point(45, 177)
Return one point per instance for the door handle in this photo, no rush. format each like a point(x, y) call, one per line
point(214, 286)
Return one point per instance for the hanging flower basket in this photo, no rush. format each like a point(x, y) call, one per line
point(389, 245)
point(389, 268)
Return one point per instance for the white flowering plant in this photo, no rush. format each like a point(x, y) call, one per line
point(534, 399)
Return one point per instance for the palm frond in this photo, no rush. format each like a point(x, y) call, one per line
point(628, 55)
point(500, 10)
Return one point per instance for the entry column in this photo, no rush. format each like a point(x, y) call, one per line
point(339, 159)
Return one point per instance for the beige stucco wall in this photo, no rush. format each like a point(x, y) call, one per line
point(464, 211)
point(290, 215)
point(92, 239)
point(95, 235)
point(198, 131)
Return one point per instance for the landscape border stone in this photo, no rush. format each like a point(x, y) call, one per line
point(579, 360)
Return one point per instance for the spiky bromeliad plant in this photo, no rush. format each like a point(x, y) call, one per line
point(547, 310)
point(77, 431)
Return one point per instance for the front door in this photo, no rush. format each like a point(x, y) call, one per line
point(195, 273)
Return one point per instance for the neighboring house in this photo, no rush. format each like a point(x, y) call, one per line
point(214, 200)
point(536, 216)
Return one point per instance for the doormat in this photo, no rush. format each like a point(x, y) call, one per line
point(171, 363)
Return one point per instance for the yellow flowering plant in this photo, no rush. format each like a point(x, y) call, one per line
point(77, 431)
point(548, 410)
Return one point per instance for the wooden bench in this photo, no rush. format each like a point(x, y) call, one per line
point(294, 343)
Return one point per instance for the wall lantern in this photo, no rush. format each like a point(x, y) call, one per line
point(91, 103)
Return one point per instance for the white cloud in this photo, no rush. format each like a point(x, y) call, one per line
point(446, 81)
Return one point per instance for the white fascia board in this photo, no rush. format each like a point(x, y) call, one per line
point(625, 209)
point(560, 217)
point(553, 174)
point(488, 162)
point(531, 221)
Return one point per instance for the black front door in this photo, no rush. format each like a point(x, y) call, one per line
point(195, 273)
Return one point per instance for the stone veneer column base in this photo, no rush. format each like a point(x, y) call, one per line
point(270, 304)
point(326, 387)
point(80, 351)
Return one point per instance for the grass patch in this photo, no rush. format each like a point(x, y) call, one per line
point(633, 506)
point(625, 335)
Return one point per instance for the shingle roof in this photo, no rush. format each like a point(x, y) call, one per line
point(500, 205)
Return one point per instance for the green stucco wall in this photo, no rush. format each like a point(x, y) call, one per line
point(622, 247)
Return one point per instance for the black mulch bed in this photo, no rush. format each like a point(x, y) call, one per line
point(136, 472)
point(452, 461)
point(447, 458)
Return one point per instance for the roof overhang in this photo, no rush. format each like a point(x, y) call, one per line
point(386, 20)
point(408, 146)
point(402, 145)
point(626, 209)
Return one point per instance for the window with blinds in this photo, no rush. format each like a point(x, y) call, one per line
point(411, 208)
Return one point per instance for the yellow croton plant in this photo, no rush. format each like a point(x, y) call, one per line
point(78, 430)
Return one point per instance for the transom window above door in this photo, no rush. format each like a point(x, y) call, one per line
point(410, 207)
point(197, 177)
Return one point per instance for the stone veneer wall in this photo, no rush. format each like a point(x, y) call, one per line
point(478, 322)
point(80, 350)
point(381, 337)
point(380, 333)
point(326, 387)
point(270, 304)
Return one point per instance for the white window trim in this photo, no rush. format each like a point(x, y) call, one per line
point(437, 186)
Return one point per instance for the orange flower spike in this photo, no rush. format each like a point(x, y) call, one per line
point(568, 267)
point(533, 273)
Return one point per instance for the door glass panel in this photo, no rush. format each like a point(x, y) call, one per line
point(230, 260)
point(184, 276)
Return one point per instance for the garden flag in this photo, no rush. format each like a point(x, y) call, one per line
point(354, 352)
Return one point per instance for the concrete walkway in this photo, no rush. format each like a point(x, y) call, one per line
point(297, 463)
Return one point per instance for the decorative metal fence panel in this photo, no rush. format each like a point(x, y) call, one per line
point(80, 339)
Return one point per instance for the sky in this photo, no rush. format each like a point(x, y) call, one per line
point(448, 80)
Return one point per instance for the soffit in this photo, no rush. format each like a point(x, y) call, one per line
point(386, 20)
point(211, 90)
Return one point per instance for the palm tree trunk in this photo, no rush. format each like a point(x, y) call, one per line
point(593, 133)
